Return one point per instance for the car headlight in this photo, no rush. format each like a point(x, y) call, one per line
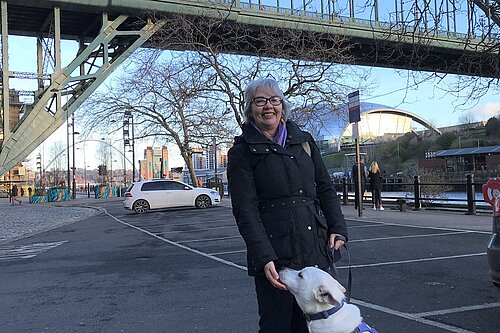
point(213, 193)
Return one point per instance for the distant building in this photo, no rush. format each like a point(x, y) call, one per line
point(378, 123)
point(198, 158)
point(19, 175)
point(19, 106)
point(155, 163)
point(476, 159)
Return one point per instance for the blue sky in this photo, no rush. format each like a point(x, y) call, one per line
point(427, 100)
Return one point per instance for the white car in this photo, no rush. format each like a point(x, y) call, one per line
point(167, 193)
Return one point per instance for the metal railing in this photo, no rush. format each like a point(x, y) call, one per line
point(402, 26)
point(415, 197)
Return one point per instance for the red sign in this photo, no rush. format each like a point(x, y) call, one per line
point(491, 190)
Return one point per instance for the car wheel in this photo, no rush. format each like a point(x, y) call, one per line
point(202, 201)
point(140, 206)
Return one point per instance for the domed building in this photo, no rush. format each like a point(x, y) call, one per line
point(378, 123)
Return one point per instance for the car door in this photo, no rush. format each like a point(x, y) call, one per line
point(178, 195)
point(154, 192)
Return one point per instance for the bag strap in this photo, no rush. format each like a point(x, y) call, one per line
point(307, 147)
point(333, 268)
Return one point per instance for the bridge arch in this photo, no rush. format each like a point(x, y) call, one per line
point(385, 120)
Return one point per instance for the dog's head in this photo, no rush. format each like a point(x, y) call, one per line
point(313, 288)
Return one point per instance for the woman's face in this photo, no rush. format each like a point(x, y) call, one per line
point(267, 117)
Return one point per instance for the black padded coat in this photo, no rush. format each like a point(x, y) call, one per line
point(283, 200)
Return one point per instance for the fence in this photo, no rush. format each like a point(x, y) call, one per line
point(415, 198)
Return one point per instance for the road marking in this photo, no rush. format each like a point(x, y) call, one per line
point(227, 252)
point(409, 236)
point(414, 317)
point(189, 223)
point(204, 229)
point(13, 252)
point(415, 260)
point(410, 317)
point(365, 226)
point(187, 248)
point(456, 310)
point(208, 239)
point(418, 226)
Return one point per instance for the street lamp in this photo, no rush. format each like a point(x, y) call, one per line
point(68, 178)
point(111, 168)
point(110, 146)
point(129, 140)
point(84, 169)
point(215, 161)
point(73, 193)
point(126, 142)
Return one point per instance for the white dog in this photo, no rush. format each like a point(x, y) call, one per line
point(321, 298)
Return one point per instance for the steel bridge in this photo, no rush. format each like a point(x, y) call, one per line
point(108, 31)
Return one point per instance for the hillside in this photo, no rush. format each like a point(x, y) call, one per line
point(403, 154)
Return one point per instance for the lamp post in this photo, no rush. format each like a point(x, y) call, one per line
point(84, 168)
point(68, 178)
point(126, 141)
point(73, 186)
point(128, 127)
point(110, 146)
point(215, 161)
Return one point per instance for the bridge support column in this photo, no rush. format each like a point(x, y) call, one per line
point(5, 114)
point(109, 49)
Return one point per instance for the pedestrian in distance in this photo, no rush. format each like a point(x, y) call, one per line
point(15, 195)
point(363, 175)
point(375, 185)
point(22, 192)
point(284, 203)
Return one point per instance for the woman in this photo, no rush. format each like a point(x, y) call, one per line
point(15, 195)
point(283, 201)
point(375, 185)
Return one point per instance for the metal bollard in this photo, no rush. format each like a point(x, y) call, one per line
point(416, 188)
point(344, 191)
point(471, 194)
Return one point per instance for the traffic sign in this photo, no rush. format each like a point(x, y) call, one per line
point(354, 109)
point(491, 190)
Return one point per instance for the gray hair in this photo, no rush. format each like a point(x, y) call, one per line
point(268, 84)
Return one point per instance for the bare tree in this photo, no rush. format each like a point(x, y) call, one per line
point(57, 163)
point(188, 97)
point(171, 101)
point(467, 120)
point(306, 64)
point(475, 67)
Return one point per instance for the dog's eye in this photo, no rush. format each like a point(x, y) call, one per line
point(300, 275)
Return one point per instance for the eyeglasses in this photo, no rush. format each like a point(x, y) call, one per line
point(261, 101)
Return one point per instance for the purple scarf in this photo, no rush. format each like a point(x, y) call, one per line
point(280, 137)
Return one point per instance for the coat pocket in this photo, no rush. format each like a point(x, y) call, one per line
point(322, 230)
point(278, 232)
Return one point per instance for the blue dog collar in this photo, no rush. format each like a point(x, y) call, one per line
point(363, 327)
point(323, 314)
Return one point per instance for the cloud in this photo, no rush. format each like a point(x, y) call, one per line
point(487, 110)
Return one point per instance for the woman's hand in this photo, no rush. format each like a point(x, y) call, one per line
point(273, 276)
point(336, 241)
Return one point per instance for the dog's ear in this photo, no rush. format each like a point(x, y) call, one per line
point(341, 287)
point(323, 295)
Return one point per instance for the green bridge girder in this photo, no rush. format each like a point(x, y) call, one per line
point(95, 24)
